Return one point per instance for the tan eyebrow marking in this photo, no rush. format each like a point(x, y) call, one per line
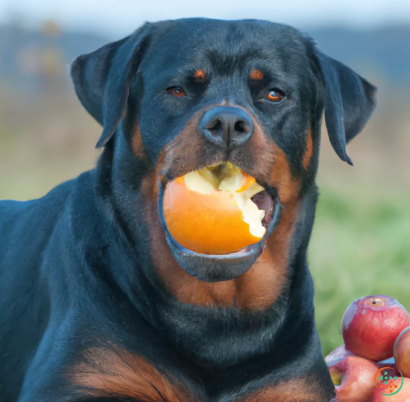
point(256, 74)
point(200, 75)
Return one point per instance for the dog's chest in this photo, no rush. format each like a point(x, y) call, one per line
point(116, 372)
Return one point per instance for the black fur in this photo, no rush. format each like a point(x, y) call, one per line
point(75, 266)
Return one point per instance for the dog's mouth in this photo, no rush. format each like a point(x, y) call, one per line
point(216, 220)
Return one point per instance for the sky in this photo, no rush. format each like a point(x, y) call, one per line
point(119, 17)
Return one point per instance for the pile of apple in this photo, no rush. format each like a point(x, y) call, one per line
point(376, 332)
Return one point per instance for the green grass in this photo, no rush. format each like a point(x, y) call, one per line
point(360, 246)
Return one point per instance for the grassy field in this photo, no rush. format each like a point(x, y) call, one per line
point(360, 246)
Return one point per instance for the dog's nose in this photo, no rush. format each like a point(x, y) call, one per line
point(226, 126)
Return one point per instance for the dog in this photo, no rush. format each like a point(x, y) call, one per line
point(100, 303)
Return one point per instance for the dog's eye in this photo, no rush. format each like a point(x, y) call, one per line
point(275, 95)
point(178, 92)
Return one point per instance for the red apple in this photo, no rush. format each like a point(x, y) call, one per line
point(402, 396)
point(371, 325)
point(353, 378)
point(337, 355)
point(401, 352)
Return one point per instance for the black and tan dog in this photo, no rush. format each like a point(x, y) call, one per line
point(97, 300)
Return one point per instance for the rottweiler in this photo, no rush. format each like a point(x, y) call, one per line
point(100, 303)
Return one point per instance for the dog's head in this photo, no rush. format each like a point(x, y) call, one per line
point(192, 93)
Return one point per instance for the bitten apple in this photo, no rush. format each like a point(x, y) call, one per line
point(401, 352)
point(215, 210)
point(353, 378)
point(371, 325)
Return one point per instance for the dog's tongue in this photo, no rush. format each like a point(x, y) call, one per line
point(264, 201)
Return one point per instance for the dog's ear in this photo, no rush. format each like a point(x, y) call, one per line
point(102, 79)
point(349, 102)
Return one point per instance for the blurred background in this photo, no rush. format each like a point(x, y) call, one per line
point(361, 239)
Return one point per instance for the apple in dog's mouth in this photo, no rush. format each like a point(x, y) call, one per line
point(217, 216)
point(217, 210)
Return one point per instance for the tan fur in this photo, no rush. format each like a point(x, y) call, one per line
point(115, 372)
point(137, 146)
point(256, 75)
point(200, 75)
point(309, 150)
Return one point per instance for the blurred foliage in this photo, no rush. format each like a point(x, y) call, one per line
point(50, 28)
point(361, 239)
